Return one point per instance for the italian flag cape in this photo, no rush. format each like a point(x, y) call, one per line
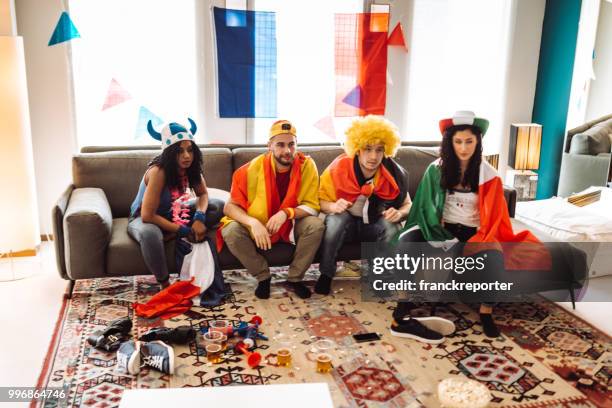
point(254, 190)
point(495, 226)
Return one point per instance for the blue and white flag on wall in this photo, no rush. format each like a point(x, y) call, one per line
point(246, 63)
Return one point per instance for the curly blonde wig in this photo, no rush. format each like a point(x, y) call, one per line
point(371, 130)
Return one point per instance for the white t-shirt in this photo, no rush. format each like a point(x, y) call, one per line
point(462, 208)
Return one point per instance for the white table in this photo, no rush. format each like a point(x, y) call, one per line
point(252, 396)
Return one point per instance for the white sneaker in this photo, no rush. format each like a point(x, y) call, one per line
point(438, 324)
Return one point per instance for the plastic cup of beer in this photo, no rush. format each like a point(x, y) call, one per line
point(324, 364)
point(214, 353)
point(323, 349)
point(213, 337)
point(223, 326)
point(283, 352)
point(283, 357)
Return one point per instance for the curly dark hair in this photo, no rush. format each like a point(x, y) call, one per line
point(449, 163)
point(168, 161)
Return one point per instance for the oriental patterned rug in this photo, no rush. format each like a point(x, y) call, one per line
point(546, 357)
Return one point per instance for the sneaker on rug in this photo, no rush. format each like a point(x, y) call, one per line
point(438, 324)
point(111, 337)
point(128, 357)
point(176, 335)
point(415, 330)
point(158, 355)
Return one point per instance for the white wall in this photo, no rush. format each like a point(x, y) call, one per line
point(600, 96)
point(398, 62)
point(50, 95)
point(522, 70)
point(583, 75)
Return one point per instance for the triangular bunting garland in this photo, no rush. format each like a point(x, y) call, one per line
point(64, 30)
point(144, 115)
point(116, 94)
point(397, 37)
point(353, 98)
point(326, 125)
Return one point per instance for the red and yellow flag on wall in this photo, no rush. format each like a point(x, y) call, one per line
point(361, 63)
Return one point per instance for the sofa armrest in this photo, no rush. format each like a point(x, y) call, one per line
point(580, 171)
point(88, 222)
point(510, 196)
point(57, 219)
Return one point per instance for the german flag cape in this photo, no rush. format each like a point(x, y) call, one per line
point(495, 226)
point(339, 181)
point(254, 190)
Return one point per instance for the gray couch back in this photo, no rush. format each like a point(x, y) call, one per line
point(119, 173)
point(593, 128)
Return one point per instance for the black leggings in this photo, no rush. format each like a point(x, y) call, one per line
point(463, 233)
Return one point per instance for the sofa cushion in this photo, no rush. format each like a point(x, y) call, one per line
point(123, 257)
point(322, 155)
point(120, 173)
point(415, 161)
point(593, 141)
point(87, 228)
point(580, 144)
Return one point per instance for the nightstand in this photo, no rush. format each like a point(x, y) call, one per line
point(524, 181)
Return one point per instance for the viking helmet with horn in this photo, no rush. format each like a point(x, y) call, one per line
point(172, 133)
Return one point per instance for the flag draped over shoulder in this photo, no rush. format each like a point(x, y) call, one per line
point(339, 181)
point(495, 226)
point(254, 190)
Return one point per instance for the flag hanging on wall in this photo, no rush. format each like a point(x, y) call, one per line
point(64, 30)
point(116, 94)
point(361, 63)
point(246, 63)
point(397, 37)
point(144, 115)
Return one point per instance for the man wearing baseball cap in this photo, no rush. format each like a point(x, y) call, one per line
point(272, 196)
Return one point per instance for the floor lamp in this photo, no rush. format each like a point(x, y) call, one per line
point(19, 229)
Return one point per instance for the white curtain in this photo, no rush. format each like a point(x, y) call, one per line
point(458, 62)
point(149, 48)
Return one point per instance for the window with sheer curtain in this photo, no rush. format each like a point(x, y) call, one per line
point(306, 78)
point(149, 48)
point(458, 62)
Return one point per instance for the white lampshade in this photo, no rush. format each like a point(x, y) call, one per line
point(19, 229)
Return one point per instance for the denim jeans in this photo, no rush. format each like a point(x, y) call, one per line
point(151, 238)
point(344, 227)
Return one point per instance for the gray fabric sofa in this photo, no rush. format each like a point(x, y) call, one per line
point(90, 218)
point(586, 157)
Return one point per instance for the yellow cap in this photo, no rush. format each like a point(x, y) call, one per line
point(281, 127)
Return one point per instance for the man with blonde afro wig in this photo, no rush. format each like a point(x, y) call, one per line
point(363, 192)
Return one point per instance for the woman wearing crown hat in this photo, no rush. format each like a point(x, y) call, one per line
point(163, 207)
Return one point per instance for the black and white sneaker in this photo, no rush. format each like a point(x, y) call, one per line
point(177, 335)
point(158, 355)
point(415, 330)
point(128, 357)
point(438, 324)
